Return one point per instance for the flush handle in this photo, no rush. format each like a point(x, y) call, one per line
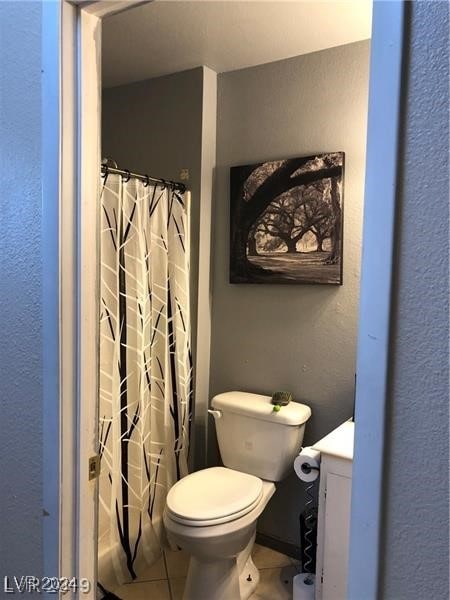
point(217, 414)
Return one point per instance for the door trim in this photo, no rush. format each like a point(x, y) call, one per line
point(374, 350)
point(71, 52)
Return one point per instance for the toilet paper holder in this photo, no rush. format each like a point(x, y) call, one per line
point(307, 468)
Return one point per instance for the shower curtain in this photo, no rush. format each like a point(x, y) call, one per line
point(145, 370)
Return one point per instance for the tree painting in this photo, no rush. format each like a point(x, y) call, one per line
point(287, 220)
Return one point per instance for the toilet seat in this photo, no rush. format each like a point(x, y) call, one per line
point(213, 496)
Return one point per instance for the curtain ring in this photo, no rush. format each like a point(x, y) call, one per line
point(105, 170)
point(128, 176)
point(147, 181)
point(163, 184)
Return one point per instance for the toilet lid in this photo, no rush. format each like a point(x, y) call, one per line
point(213, 496)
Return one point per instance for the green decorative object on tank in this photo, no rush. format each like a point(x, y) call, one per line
point(281, 399)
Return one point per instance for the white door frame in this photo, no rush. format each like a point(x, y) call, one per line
point(374, 350)
point(71, 158)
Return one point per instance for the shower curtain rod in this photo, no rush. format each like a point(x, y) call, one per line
point(176, 185)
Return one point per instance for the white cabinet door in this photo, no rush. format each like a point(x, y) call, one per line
point(336, 538)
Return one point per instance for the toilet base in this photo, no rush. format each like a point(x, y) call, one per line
point(234, 578)
point(221, 567)
point(249, 579)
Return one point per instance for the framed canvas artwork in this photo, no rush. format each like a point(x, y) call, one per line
point(287, 221)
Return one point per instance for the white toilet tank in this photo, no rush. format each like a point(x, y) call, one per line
point(255, 439)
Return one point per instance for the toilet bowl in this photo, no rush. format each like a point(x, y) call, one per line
point(212, 513)
point(217, 527)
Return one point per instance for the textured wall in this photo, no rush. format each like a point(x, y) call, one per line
point(415, 544)
point(155, 127)
point(301, 337)
point(20, 290)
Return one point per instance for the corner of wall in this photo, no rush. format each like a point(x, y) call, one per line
point(202, 364)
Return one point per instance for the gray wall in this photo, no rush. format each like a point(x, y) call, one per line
point(20, 290)
point(300, 338)
point(155, 127)
point(415, 547)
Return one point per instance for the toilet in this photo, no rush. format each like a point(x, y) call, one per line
point(212, 513)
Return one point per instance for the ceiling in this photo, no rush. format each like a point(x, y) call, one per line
point(166, 36)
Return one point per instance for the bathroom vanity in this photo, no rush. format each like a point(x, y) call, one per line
point(334, 512)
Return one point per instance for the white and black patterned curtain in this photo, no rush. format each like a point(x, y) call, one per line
point(145, 370)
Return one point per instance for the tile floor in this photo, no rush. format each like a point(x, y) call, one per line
point(165, 579)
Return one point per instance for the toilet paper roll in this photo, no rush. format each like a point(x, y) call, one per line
point(307, 464)
point(304, 587)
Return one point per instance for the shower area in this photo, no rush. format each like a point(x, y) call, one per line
point(151, 148)
point(145, 354)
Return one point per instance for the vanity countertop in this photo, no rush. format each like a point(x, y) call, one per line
point(339, 442)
